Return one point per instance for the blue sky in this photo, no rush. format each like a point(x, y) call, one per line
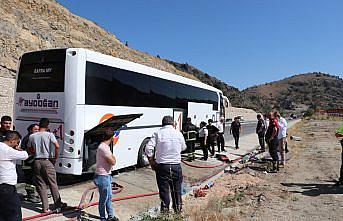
point(241, 42)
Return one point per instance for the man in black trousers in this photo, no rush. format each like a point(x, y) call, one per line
point(166, 144)
point(260, 131)
point(235, 130)
point(10, 208)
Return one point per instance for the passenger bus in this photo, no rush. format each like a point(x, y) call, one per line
point(77, 89)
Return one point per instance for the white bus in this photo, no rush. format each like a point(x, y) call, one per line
point(77, 89)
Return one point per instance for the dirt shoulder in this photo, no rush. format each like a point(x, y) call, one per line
point(302, 191)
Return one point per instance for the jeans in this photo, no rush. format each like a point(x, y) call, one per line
point(273, 145)
point(169, 179)
point(10, 209)
point(104, 184)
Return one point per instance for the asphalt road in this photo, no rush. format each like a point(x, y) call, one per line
point(247, 128)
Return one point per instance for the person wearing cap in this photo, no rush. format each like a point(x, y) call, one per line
point(166, 144)
point(220, 138)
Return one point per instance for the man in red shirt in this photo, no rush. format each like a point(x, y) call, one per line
point(272, 140)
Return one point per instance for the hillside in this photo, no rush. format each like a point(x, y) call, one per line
point(235, 96)
point(28, 25)
point(297, 93)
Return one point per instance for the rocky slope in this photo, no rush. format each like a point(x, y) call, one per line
point(28, 25)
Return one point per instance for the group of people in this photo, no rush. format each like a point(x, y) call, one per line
point(39, 151)
point(164, 153)
point(273, 131)
point(209, 135)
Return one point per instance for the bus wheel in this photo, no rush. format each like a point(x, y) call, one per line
point(142, 158)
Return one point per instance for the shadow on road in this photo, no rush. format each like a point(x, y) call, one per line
point(315, 189)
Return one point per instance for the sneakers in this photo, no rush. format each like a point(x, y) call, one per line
point(112, 219)
point(60, 207)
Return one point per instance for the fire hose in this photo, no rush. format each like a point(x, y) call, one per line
point(116, 188)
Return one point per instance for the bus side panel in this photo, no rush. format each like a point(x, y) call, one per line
point(128, 140)
point(200, 112)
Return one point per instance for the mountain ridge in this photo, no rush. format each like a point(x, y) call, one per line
point(29, 25)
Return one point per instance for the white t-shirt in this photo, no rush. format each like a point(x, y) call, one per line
point(8, 156)
point(220, 126)
point(282, 128)
point(168, 143)
point(203, 132)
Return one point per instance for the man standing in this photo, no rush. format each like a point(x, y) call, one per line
point(260, 131)
point(220, 138)
point(282, 135)
point(203, 134)
point(103, 179)
point(167, 143)
point(212, 135)
point(28, 166)
point(235, 130)
point(339, 135)
point(10, 209)
point(189, 131)
point(273, 142)
point(46, 152)
point(6, 123)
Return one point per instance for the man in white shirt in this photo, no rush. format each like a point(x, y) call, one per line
point(220, 138)
point(167, 144)
point(282, 134)
point(10, 208)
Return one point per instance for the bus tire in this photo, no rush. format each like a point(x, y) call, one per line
point(142, 160)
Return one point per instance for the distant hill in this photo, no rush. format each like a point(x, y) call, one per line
point(297, 93)
point(294, 94)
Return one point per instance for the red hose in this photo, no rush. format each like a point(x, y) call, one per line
point(93, 204)
point(134, 196)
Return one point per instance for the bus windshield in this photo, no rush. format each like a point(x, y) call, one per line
point(42, 71)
